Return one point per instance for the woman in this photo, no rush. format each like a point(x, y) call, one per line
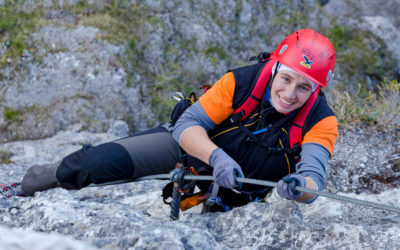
point(255, 145)
point(302, 63)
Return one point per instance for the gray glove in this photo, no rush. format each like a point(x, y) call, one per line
point(226, 170)
point(287, 186)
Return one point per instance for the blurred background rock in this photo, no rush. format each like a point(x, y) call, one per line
point(97, 62)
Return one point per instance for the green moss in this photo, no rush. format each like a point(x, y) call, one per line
point(11, 115)
point(218, 51)
point(15, 26)
point(238, 8)
point(80, 8)
point(338, 37)
point(216, 54)
point(82, 96)
point(129, 82)
point(5, 157)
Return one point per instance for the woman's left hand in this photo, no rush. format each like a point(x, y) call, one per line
point(287, 186)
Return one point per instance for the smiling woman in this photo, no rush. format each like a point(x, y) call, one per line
point(259, 145)
point(289, 91)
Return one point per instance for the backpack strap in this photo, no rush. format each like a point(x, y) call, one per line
point(256, 94)
point(296, 130)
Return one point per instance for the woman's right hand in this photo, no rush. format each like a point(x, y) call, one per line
point(226, 170)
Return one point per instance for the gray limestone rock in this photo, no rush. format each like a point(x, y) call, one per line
point(133, 216)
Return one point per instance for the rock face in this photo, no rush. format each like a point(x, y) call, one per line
point(81, 83)
point(358, 150)
point(92, 62)
point(94, 71)
point(11, 239)
point(133, 216)
point(377, 17)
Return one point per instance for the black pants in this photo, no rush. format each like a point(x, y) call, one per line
point(146, 153)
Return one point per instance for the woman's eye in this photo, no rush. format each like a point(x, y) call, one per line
point(285, 79)
point(305, 88)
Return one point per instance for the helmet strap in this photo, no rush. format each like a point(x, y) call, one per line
point(275, 72)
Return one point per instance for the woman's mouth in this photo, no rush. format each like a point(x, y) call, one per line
point(285, 102)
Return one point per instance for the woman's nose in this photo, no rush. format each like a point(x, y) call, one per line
point(291, 91)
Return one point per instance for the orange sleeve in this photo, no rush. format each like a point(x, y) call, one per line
point(217, 101)
point(324, 133)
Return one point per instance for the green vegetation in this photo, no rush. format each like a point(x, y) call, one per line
point(216, 54)
point(360, 54)
point(11, 115)
point(15, 26)
point(16, 115)
point(380, 110)
point(5, 157)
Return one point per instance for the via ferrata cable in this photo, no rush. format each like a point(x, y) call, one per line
point(269, 184)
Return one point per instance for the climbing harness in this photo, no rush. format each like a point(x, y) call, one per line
point(185, 177)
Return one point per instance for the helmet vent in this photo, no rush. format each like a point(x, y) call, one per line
point(328, 76)
point(283, 49)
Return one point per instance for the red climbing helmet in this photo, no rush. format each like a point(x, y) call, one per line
point(308, 53)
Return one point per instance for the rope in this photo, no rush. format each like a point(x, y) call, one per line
point(269, 184)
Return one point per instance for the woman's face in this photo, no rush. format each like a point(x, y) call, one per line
point(289, 91)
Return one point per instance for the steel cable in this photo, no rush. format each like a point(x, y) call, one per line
point(265, 183)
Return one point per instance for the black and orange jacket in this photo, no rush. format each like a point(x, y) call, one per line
point(272, 160)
